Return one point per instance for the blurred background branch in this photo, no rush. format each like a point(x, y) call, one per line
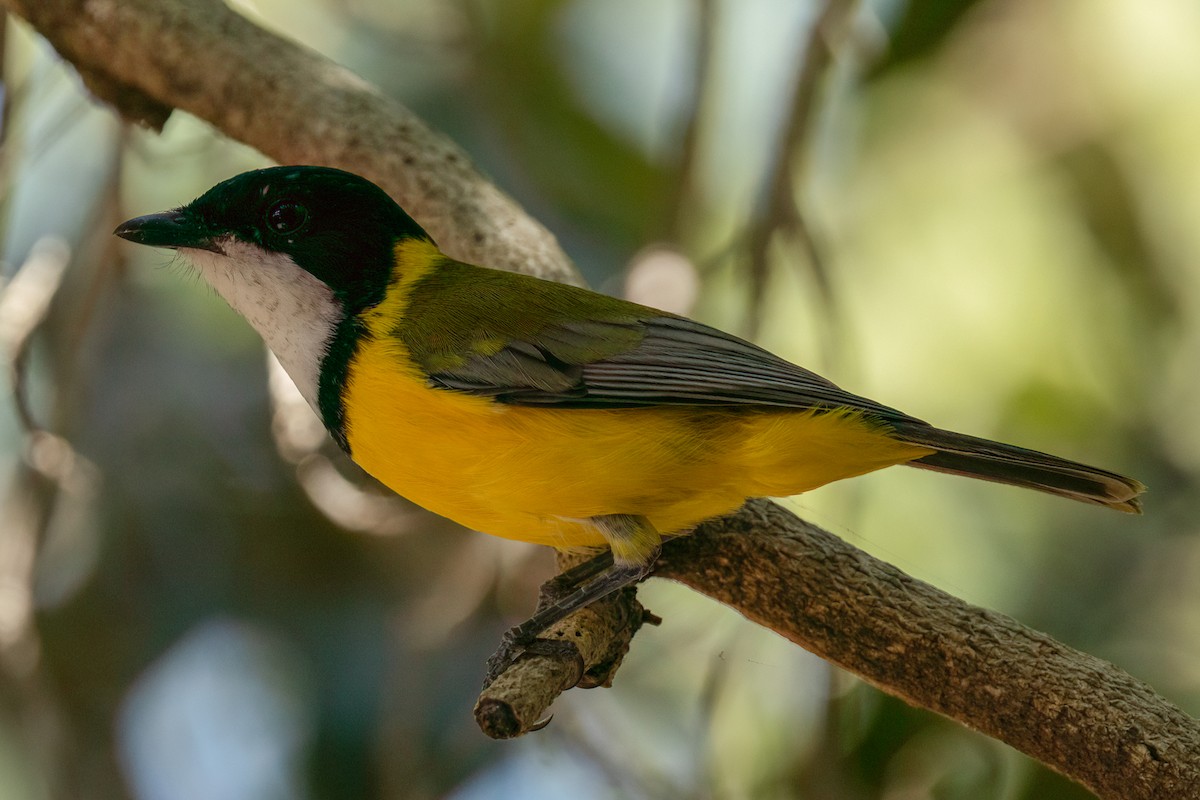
point(780, 218)
point(1004, 209)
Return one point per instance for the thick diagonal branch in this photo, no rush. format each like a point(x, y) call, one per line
point(295, 106)
point(1085, 718)
point(1079, 714)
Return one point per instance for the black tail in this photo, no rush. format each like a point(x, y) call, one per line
point(960, 454)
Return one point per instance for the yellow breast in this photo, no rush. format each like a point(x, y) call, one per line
point(529, 473)
point(534, 473)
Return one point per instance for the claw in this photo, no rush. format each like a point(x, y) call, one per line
point(541, 723)
point(560, 597)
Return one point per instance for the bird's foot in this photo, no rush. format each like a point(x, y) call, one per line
point(517, 642)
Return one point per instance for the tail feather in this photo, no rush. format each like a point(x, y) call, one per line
point(973, 457)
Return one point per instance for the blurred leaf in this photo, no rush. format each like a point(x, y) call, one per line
point(581, 168)
point(923, 26)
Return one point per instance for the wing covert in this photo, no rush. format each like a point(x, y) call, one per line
point(642, 362)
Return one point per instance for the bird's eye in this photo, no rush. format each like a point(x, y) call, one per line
point(286, 217)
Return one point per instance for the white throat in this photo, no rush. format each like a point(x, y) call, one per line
point(295, 313)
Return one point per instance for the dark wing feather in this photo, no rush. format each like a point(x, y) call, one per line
point(523, 341)
point(518, 366)
point(658, 360)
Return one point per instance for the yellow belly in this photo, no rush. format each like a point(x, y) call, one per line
point(532, 473)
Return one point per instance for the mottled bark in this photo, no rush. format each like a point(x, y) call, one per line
point(1081, 715)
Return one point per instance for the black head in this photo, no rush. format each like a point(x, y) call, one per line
point(337, 226)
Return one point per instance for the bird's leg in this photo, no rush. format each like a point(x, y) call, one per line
point(567, 581)
point(634, 547)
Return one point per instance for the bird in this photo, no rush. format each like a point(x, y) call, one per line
point(535, 410)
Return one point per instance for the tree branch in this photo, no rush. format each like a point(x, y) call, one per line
point(781, 211)
point(1076, 713)
point(516, 702)
point(297, 107)
point(1081, 715)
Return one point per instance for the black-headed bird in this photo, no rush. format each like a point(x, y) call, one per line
point(534, 410)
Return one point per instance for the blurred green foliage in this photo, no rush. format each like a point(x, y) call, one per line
point(1002, 198)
